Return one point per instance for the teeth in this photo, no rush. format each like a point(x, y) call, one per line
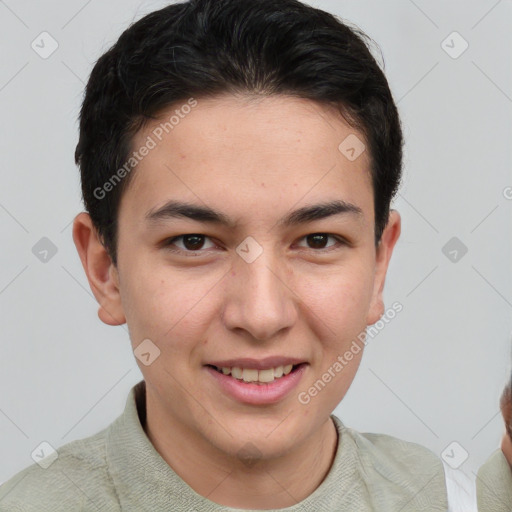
point(236, 372)
point(265, 375)
point(259, 376)
point(250, 375)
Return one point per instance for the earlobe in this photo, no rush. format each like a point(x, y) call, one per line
point(100, 271)
point(383, 255)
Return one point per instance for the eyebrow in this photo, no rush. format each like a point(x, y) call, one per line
point(178, 209)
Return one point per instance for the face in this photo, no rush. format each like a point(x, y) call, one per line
point(250, 284)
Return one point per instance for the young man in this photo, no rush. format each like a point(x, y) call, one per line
point(238, 160)
point(494, 480)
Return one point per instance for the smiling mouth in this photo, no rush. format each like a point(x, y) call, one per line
point(253, 376)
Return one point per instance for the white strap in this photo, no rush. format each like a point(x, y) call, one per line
point(461, 489)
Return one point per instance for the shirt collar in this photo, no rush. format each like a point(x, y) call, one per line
point(144, 481)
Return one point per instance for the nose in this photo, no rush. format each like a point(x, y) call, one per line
point(260, 298)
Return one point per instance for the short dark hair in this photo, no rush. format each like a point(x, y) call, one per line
point(204, 48)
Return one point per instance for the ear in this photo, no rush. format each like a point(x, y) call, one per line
point(101, 273)
point(384, 250)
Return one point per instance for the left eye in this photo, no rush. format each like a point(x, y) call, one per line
point(318, 239)
point(195, 242)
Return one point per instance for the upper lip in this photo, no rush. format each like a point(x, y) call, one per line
point(257, 364)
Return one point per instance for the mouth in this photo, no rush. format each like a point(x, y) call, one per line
point(260, 386)
point(260, 377)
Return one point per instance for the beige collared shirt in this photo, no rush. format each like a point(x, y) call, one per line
point(118, 469)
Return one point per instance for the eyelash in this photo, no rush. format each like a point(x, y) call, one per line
point(167, 243)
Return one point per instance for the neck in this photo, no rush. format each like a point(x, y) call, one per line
point(226, 480)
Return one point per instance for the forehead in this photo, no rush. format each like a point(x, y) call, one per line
point(249, 153)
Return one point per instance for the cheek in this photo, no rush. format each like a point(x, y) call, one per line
point(146, 302)
point(171, 310)
point(338, 298)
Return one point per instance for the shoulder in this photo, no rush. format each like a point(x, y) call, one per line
point(494, 484)
point(392, 451)
point(496, 466)
point(398, 474)
point(77, 479)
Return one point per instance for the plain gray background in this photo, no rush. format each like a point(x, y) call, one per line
point(432, 376)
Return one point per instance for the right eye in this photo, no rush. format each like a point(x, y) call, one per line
point(191, 243)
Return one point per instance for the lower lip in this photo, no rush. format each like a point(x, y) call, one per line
point(257, 394)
